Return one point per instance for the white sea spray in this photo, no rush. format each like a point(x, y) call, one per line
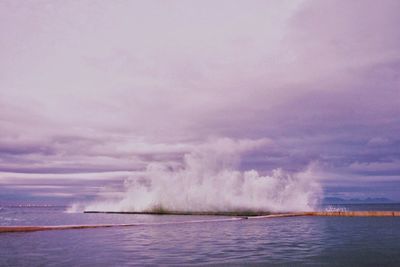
point(209, 180)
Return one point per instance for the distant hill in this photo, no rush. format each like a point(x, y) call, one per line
point(337, 200)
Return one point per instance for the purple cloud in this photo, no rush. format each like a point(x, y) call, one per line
point(89, 88)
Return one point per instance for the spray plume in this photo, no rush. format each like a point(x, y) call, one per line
point(208, 180)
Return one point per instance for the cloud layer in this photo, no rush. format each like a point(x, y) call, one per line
point(93, 88)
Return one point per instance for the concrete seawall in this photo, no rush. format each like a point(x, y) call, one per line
point(353, 213)
point(264, 214)
point(192, 213)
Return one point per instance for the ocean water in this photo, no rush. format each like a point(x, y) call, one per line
point(291, 241)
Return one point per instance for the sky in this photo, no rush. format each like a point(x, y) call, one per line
point(93, 92)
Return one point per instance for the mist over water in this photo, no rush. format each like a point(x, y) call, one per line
point(209, 179)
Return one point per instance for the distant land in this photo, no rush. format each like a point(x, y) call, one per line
point(338, 200)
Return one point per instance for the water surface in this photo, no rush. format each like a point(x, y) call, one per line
point(318, 241)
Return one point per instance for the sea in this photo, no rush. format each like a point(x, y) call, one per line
point(180, 240)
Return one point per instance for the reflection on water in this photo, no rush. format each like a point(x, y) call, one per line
point(328, 241)
point(225, 242)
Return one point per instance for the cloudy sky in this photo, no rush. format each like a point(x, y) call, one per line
point(93, 91)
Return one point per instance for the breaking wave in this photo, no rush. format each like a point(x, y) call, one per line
point(209, 180)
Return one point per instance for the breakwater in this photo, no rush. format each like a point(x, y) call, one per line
point(235, 216)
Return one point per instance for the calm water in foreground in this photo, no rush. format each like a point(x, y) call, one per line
point(294, 241)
